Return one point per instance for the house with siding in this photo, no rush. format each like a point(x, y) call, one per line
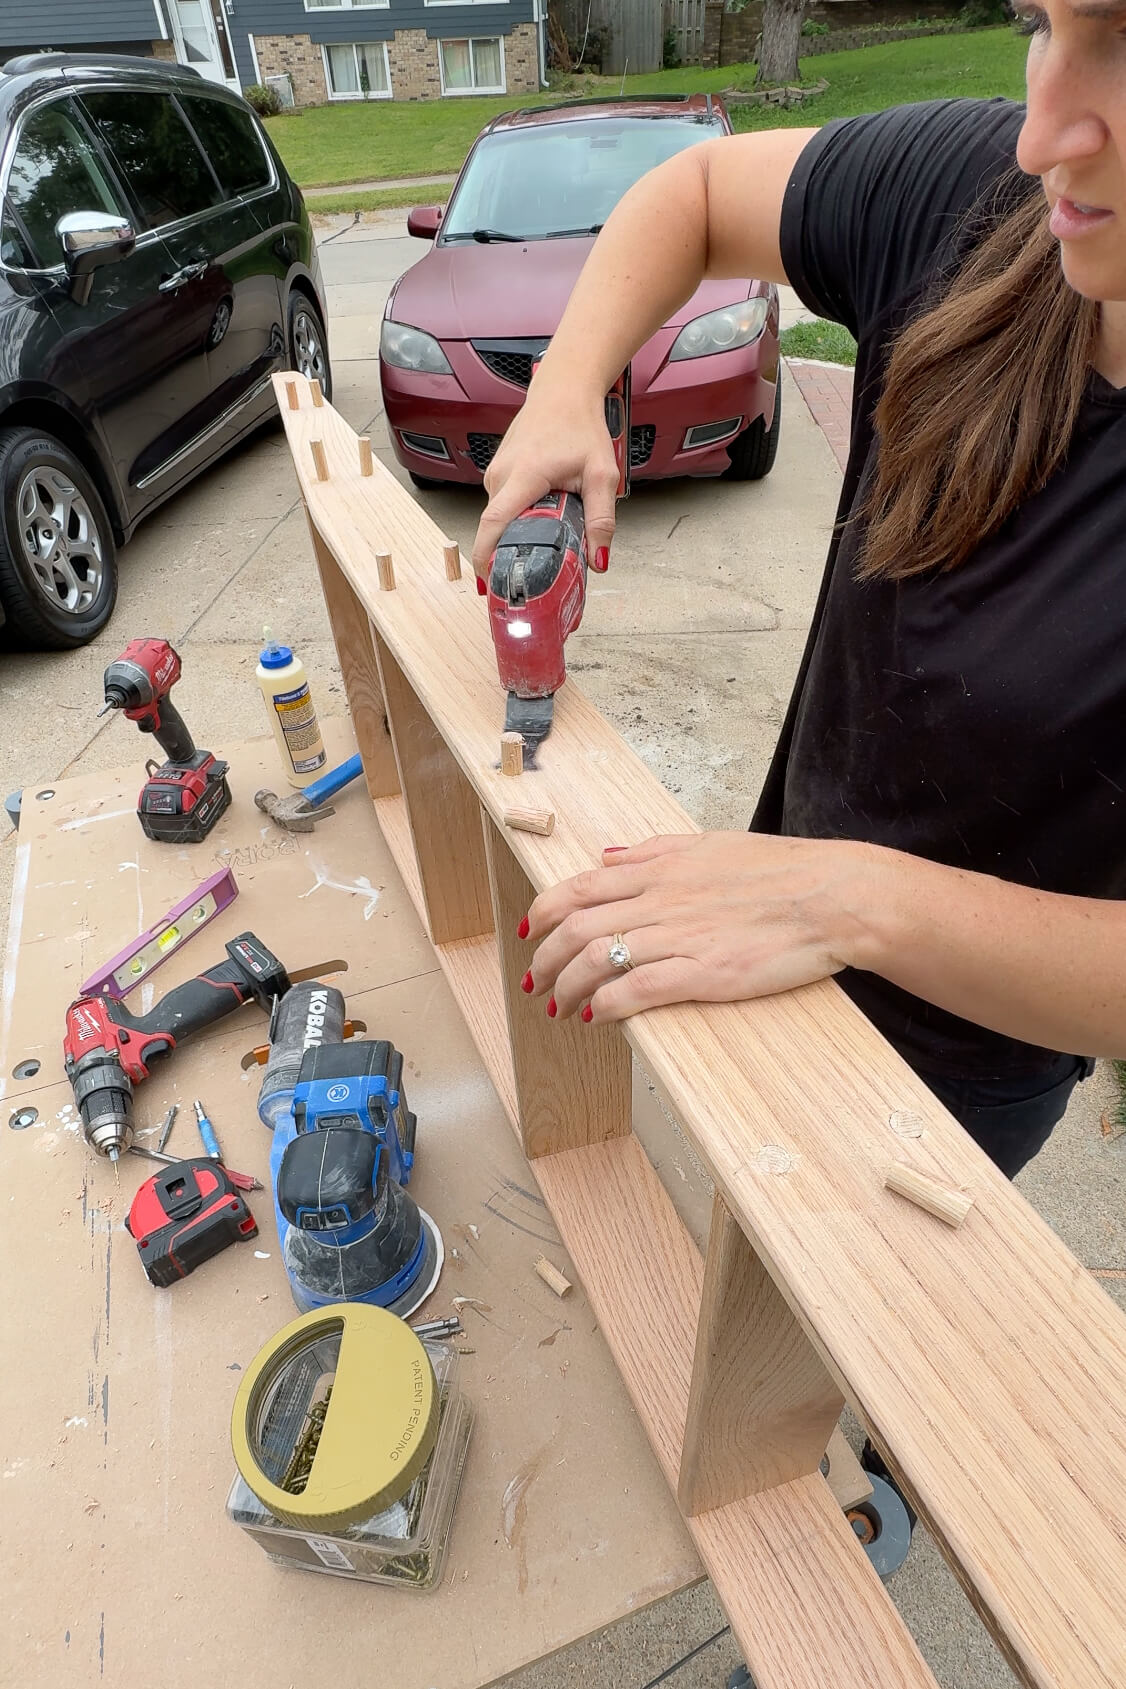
point(311, 50)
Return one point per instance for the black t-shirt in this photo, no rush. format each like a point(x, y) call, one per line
point(975, 717)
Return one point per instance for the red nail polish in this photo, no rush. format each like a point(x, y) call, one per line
point(612, 850)
point(524, 928)
point(482, 588)
point(588, 1014)
point(552, 1008)
point(602, 559)
point(527, 984)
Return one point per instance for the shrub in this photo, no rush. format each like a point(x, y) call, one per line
point(671, 56)
point(264, 100)
point(811, 26)
point(982, 14)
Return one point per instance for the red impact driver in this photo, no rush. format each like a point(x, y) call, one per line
point(537, 590)
point(183, 797)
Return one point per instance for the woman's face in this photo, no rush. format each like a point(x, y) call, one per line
point(1074, 136)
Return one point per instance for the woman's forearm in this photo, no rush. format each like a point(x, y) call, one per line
point(1038, 966)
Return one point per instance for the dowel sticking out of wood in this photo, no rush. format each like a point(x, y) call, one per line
point(315, 390)
point(511, 753)
point(452, 555)
point(292, 400)
point(552, 1277)
point(920, 1188)
point(366, 465)
point(531, 820)
point(386, 570)
point(320, 462)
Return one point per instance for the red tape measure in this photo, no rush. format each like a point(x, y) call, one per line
point(183, 1216)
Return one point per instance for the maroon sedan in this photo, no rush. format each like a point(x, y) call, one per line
point(464, 325)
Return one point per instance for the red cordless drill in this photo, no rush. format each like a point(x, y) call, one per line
point(108, 1051)
point(182, 798)
point(537, 590)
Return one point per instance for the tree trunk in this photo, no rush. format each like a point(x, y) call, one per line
point(781, 33)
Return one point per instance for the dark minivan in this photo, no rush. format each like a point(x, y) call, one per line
point(156, 265)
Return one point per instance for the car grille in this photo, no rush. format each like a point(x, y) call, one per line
point(510, 366)
point(482, 447)
point(511, 360)
point(641, 442)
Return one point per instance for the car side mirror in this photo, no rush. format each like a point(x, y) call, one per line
point(90, 239)
point(423, 221)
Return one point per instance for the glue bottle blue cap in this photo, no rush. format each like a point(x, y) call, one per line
point(275, 656)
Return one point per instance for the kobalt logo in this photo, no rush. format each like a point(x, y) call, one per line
point(338, 1093)
point(315, 1019)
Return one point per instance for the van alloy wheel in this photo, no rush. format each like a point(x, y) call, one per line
point(60, 539)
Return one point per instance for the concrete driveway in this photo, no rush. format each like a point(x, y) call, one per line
point(689, 646)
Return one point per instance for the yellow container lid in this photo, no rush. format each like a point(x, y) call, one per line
point(379, 1428)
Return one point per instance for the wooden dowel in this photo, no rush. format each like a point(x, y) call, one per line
point(291, 396)
point(366, 465)
point(920, 1188)
point(511, 753)
point(318, 396)
point(320, 462)
point(386, 570)
point(553, 1277)
point(531, 820)
point(452, 555)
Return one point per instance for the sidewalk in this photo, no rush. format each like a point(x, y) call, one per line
point(827, 390)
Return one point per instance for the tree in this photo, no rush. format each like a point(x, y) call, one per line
point(778, 45)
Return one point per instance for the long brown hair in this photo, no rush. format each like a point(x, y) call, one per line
point(980, 401)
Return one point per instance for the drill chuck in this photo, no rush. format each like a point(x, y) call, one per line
point(104, 1097)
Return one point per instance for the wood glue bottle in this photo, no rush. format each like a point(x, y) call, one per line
point(285, 688)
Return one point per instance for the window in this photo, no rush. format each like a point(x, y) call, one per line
point(343, 5)
point(358, 72)
point(55, 170)
point(475, 66)
point(232, 143)
point(156, 153)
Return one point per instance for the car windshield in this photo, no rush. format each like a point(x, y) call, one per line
point(562, 178)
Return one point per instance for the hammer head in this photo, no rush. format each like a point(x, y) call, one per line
point(294, 812)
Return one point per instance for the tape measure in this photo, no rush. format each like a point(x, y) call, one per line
point(336, 1416)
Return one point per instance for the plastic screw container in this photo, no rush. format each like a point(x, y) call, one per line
point(405, 1545)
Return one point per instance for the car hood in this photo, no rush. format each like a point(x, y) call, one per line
point(470, 291)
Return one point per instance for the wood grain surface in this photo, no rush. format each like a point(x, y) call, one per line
point(988, 1364)
point(760, 1413)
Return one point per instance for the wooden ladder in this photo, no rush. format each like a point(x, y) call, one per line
point(986, 1362)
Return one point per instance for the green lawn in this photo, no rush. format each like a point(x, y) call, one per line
point(337, 144)
point(829, 343)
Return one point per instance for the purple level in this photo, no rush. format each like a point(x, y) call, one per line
point(133, 965)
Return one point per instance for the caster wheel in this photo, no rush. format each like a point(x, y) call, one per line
point(883, 1526)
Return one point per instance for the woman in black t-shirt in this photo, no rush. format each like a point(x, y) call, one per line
point(944, 823)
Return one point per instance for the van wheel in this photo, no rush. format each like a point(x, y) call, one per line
point(58, 563)
point(308, 343)
point(752, 452)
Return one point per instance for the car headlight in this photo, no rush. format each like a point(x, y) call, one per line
point(721, 331)
point(410, 348)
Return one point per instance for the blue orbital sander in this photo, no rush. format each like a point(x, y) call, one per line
point(342, 1156)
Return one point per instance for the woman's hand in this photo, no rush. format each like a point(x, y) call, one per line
point(707, 917)
point(558, 442)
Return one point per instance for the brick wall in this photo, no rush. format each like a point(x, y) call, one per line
point(164, 50)
point(415, 72)
point(412, 58)
point(730, 37)
point(521, 60)
point(296, 54)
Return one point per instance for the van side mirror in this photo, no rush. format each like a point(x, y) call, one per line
point(90, 239)
point(423, 221)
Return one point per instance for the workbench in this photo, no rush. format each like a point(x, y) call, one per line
point(115, 1397)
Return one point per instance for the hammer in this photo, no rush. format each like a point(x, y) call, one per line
point(299, 812)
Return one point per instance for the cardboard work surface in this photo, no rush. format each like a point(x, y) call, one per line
point(115, 1398)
